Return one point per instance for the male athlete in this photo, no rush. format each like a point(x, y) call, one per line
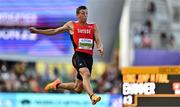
point(83, 36)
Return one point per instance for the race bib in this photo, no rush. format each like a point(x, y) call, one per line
point(85, 43)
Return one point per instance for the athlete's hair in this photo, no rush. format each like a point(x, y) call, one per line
point(80, 8)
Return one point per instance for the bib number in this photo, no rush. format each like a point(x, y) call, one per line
point(85, 44)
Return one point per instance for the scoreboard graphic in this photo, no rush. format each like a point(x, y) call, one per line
point(151, 86)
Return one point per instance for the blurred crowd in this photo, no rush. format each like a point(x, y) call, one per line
point(111, 79)
point(16, 76)
point(143, 33)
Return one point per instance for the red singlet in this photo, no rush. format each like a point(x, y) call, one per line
point(83, 38)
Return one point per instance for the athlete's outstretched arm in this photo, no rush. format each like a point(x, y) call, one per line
point(98, 41)
point(62, 29)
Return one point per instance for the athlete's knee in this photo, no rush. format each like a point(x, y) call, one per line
point(85, 73)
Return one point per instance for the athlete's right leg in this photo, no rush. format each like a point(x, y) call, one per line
point(85, 73)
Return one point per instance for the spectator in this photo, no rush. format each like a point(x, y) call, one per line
point(137, 41)
point(145, 40)
point(172, 40)
point(151, 8)
point(148, 25)
point(164, 40)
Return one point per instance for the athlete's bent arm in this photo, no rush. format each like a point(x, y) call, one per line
point(62, 29)
point(98, 41)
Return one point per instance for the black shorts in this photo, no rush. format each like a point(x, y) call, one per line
point(81, 60)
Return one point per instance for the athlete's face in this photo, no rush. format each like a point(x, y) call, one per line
point(82, 15)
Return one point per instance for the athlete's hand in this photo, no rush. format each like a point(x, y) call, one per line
point(33, 30)
point(101, 50)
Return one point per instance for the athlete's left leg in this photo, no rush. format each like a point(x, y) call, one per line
point(72, 86)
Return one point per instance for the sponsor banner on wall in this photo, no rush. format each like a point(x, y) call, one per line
point(56, 100)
